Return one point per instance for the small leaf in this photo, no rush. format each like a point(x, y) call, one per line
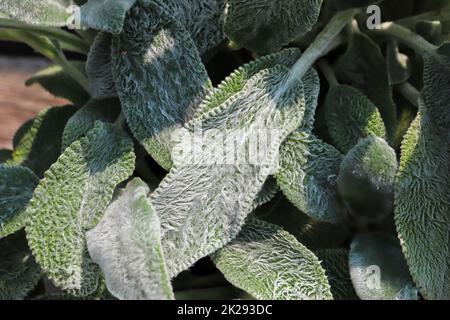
point(40, 145)
point(363, 65)
point(71, 199)
point(270, 264)
point(99, 68)
point(422, 204)
point(266, 26)
point(84, 119)
point(105, 15)
point(307, 176)
point(351, 116)
point(127, 246)
point(37, 12)
point(159, 77)
point(366, 179)
point(19, 273)
point(202, 205)
point(16, 189)
point(57, 82)
point(398, 64)
point(378, 269)
point(335, 263)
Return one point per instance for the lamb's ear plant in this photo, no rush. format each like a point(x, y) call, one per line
point(150, 175)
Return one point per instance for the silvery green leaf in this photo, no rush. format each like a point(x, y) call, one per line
point(71, 199)
point(84, 119)
point(398, 64)
point(265, 26)
point(378, 269)
point(422, 204)
point(366, 179)
point(204, 19)
point(37, 12)
point(270, 264)
point(5, 155)
point(351, 116)
point(436, 91)
point(16, 189)
point(99, 68)
point(58, 83)
point(40, 145)
point(335, 263)
point(267, 192)
point(105, 15)
point(364, 66)
point(127, 245)
point(307, 176)
point(204, 200)
point(19, 273)
point(159, 77)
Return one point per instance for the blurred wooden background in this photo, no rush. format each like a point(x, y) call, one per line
point(19, 103)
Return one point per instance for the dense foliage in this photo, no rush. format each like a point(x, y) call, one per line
point(128, 193)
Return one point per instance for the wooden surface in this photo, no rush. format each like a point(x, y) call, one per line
point(19, 103)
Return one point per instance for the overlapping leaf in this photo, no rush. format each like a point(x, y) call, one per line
point(159, 77)
point(422, 204)
point(351, 116)
point(307, 176)
point(71, 199)
point(293, 273)
point(204, 200)
point(378, 269)
point(127, 246)
point(265, 26)
point(16, 189)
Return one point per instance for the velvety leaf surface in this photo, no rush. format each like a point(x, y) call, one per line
point(307, 175)
point(40, 145)
point(16, 189)
point(204, 200)
point(351, 116)
point(71, 199)
point(19, 273)
point(60, 84)
point(159, 77)
point(127, 245)
point(106, 110)
point(293, 273)
point(265, 26)
point(378, 269)
point(422, 204)
point(99, 68)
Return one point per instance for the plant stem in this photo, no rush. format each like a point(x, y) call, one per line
point(328, 73)
point(410, 93)
point(70, 69)
point(320, 45)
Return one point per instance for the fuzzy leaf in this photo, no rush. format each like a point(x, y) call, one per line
point(209, 200)
point(307, 176)
point(60, 84)
point(293, 273)
point(84, 119)
point(40, 145)
point(363, 65)
point(127, 246)
point(366, 179)
point(351, 116)
point(159, 77)
point(99, 68)
point(21, 132)
point(378, 269)
point(16, 189)
point(436, 79)
point(267, 192)
point(265, 26)
point(422, 204)
point(71, 199)
point(105, 15)
point(19, 273)
point(204, 19)
point(398, 64)
point(335, 263)
point(37, 12)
